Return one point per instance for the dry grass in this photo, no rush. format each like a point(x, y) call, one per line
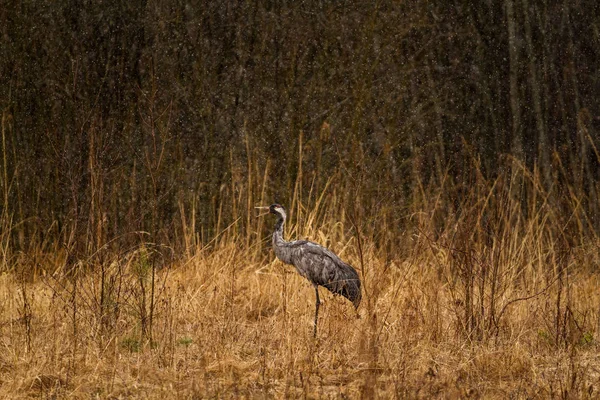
point(226, 327)
point(485, 300)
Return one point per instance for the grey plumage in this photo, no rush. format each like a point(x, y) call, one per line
point(316, 263)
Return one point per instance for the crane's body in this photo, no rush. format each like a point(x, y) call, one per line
point(316, 263)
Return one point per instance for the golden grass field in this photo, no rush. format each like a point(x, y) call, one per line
point(462, 309)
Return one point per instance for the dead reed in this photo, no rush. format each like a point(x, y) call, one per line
point(487, 288)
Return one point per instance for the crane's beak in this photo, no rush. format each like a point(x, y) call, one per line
point(262, 208)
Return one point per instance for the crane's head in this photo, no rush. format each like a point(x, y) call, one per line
point(276, 209)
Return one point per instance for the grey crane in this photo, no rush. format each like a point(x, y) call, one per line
point(316, 263)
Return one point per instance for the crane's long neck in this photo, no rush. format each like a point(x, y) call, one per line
point(278, 233)
point(279, 243)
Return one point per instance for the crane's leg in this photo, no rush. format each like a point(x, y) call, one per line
point(316, 310)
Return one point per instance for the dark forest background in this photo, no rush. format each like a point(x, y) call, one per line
point(120, 117)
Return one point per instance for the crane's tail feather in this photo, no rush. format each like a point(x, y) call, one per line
point(349, 288)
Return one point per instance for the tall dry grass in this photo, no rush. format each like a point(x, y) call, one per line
point(479, 288)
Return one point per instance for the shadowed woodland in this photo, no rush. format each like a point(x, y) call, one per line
point(450, 151)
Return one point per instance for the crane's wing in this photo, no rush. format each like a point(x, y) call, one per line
point(322, 267)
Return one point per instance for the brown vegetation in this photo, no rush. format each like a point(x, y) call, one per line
point(489, 303)
point(449, 153)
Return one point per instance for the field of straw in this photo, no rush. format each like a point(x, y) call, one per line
point(499, 300)
point(448, 150)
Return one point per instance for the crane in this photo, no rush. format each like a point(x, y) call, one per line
point(316, 263)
